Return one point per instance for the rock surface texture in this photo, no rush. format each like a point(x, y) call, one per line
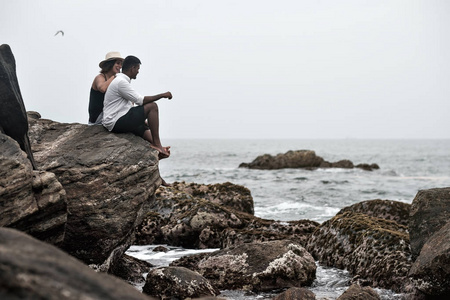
point(13, 116)
point(31, 201)
point(356, 292)
point(31, 269)
point(108, 179)
point(306, 159)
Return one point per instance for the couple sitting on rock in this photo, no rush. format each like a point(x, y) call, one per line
point(112, 100)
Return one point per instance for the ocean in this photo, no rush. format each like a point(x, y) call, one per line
point(406, 166)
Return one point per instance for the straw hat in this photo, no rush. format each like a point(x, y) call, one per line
point(113, 55)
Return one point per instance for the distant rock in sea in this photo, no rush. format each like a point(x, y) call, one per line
point(306, 159)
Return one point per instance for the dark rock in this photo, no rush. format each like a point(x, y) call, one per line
point(295, 293)
point(306, 159)
point(31, 269)
point(259, 266)
point(356, 292)
point(31, 201)
point(108, 179)
point(131, 269)
point(430, 273)
point(430, 211)
point(177, 283)
point(385, 209)
point(181, 219)
point(374, 249)
point(13, 116)
point(228, 194)
point(161, 249)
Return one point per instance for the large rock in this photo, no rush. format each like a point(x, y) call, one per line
point(181, 219)
point(31, 201)
point(30, 269)
point(430, 273)
point(108, 178)
point(356, 292)
point(177, 283)
point(385, 209)
point(376, 251)
point(306, 159)
point(13, 116)
point(295, 293)
point(430, 211)
point(258, 266)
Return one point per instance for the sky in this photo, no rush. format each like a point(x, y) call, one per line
point(246, 69)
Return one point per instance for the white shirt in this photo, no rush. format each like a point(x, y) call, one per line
point(119, 98)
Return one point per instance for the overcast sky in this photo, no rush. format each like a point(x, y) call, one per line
point(246, 69)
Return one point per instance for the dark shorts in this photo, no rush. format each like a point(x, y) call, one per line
point(133, 121)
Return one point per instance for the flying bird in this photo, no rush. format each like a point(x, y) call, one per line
point(59, 31)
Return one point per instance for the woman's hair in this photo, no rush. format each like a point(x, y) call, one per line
point(107, 66)
point(129, 62)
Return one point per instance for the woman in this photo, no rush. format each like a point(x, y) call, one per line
point(110, 66)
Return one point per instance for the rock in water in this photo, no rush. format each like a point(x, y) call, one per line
point(13, 116)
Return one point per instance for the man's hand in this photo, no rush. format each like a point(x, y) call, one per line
point(168, 95)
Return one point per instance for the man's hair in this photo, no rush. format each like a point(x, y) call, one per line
point(130, 61)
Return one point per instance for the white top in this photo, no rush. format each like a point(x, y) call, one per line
point(119, 98)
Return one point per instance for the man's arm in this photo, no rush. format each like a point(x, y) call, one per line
point(149, 99)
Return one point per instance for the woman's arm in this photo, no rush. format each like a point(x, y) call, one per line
point(100, 84)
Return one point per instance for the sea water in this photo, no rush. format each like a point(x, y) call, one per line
point(406, 166)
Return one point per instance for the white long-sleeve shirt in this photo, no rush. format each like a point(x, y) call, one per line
point(119, 98)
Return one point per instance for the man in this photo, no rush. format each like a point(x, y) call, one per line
point(119, 114)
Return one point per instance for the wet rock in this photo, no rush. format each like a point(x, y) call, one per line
point(430, 272)
point(385, 209)
point(259, 266)
point(430, 211)
point(31, 269)
point(131, 269)
point(356, 292)
point(32, 201)
point(306, 159)
point(108, 179)
point(228, 194)
point(177, 283)
point(181, 219)
point(13, 116)
point(374, 250)
point(295, 293)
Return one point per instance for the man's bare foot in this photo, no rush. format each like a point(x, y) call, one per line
point(164, 152)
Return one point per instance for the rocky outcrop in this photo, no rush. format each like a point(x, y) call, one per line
point(31, 201)
point(430, 273)
point(108, 179)
point(177, 283)
point(430, 211)
point(296, 293)
point(181, 219)
point(306, 159)
point(258, 266)
point(356, 292)
point(374, 250)
point(13, 116)
point(31, 269)
point(385, 209)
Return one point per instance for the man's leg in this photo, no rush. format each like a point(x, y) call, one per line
point(152, 114)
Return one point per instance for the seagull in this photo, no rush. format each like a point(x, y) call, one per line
point(59, 31)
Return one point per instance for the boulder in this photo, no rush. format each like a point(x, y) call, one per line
point(32, 201)
point(376, 251)
point(181, 219)
point(259, 266)
point(177, 283)
point(13, 116)
point(295, 293)
point(430, 211)
point(305, 159)
point(31, 269)
point(131, 269)
point(430, 273)
point(108, 178)
point(356, 292)
point(385, 209)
